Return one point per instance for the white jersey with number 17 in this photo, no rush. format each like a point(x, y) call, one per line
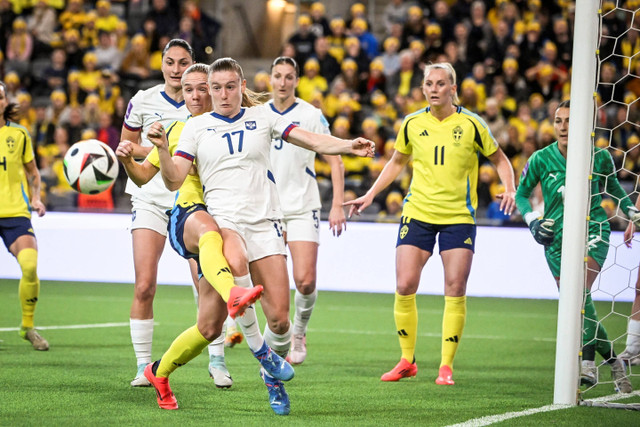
point(232, 156)
point(293, 166)
point(145, 108)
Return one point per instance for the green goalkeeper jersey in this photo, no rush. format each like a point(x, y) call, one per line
point(548, 167)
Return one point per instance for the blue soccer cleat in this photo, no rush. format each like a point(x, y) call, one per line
point(278, 397)
point(275, 365)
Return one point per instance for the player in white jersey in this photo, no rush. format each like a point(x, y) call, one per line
point(164, 104)
point(294, 171)
point(231, 148)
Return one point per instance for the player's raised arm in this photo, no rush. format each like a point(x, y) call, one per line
point(133, 136)
point(174, 170)
point(140, 173)
point(329, 144)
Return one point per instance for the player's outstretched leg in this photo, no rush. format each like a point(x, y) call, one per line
point(166, 398)
point(273, 364)
point(278, 397)
point(241, 298)
point(403, 369)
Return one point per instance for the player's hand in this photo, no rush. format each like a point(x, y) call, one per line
point(542, 230)
point(359, 204)
point(634, 216)
point(157, 136)
point(124, 152)
point(507, 201)
point(337, 220)
point(628, 234)
point(38, 206)
point(363, 147)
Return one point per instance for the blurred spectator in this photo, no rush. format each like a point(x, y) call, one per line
point(58, 109)
point(54, 75)
point(122, 38)
point(498, 46)
point(262, 82)
point(353, 51)
point(414, 28)
point(205, 30)
point(383, 111)
point(371, 131)
point(106, 132)
point(395, 12)
point(319, 23)
point(357, 11)
point(442, 16)
point(7, 16)
point(337, 38)
point(72, 48)
point(75, 124)
point(377, 80)
point(311, 80)
point(495, 120)
point(89, 31)
point(392, 208)
point(107, 54)
point(368, 42)
point(60, 195)
point(390, 57)
point(106, 20)
point(12, 80)
point(92, 110)
point(515, 83)
point(89, 76)
point(351, 77)
point(480, 33)
point(26, 111)
point(452, 52)
point(487, 178)
point(433, 40)
point(19, 48)
point(303, 39)
point(329, 66)
point(42, 23)
point(135, 65)
point(493, 210)
point(530, 46)
point(73, 17)
point(163, 16)
point(408, 76)
point(332, 100)
point(469, 96)
point(42, 131)
point(76, 95)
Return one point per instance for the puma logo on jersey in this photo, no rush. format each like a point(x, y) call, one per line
point(468, 241)
point(159, 115)
point(213, 129)
point(553, 175)
point(424, 133)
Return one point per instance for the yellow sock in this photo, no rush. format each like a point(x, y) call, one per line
point(405, 313)
point(188, 345)
point(214, 265)
point(455, 314)
point(29, 287)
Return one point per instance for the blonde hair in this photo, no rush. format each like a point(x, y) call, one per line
point(448, 68)
point(249, 97)
point(195, 68)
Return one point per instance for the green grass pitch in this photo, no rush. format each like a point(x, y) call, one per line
point(505, 363)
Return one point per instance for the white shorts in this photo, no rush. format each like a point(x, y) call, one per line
point(262, 239)
point(150, 216)
point(303, 227)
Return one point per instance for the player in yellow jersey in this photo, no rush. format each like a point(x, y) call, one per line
point(192, 231)
point(444, 140)
point(19, 195)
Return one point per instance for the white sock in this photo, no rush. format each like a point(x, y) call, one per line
point(633, 335)
point(280, 343)
point(304, 308)
point(216, 348)
point(142, 338)
point(249, 322)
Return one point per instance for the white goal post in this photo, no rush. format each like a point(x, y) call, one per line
point(577, 195)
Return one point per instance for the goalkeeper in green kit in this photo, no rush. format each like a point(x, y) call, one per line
point(548, 167)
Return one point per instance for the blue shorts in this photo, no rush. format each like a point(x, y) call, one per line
point(177, 218)
point(423, 235)
point(14, 227)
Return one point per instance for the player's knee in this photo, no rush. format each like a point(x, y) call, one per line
point(145, 291)
point(238, 265)
point(279, 325)
point(306, 285)
point(209, 329)
point(28, 261)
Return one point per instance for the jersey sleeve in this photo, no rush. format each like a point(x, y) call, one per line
point(133, 116)
point(187, 143)
point(488, 144)
point(604, 166)
point(27, 153)
point(280, 126)
point(528, 181)
point(320, 123)
point(402, 144)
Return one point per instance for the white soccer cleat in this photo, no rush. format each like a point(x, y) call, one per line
point(588, 373)
point(35, 339)
point(298, 350)
point(218, 371)
point(140, 380)
point(619, 376)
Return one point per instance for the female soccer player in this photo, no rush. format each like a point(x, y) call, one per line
point(293, 168)
point(193, 232)
point(444, 140)
point(231, 149)
point(163, 103)
point(548, 167)
point(19, 195)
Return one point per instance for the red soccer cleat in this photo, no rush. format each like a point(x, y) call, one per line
point(403, 369)
point(445, 376)
point(241, 298)
point(166, 399)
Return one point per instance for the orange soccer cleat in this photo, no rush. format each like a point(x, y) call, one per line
point(403, 369)
point(241, 298)
point(166, 398)
point(445, 376)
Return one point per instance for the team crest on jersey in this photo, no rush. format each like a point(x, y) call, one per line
point(457, 135)
point(11, 144)
point(403, 231)
point(250, 125)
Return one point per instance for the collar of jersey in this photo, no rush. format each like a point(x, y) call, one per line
point(229, 119)
point(171, 100)
point(275, 110)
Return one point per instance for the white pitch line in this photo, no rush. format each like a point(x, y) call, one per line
point(491, 419)
point(87, 326)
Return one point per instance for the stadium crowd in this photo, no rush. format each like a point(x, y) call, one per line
point(72, 67)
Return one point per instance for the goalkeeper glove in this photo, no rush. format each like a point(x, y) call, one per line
point(634, 215)
point(542, 230)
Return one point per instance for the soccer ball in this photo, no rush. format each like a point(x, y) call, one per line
point(90, 166)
